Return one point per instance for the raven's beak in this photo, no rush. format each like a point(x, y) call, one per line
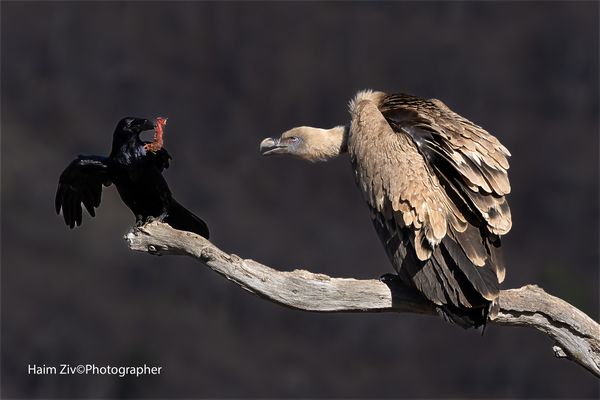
point(270, 146)
point(146, 125)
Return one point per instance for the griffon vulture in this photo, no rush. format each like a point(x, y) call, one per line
point(435, 184)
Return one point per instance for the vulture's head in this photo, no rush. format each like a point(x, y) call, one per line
point(307, 143)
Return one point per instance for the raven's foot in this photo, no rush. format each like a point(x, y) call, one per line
point(141, 220)
point(157, 142)
point(160, 218)
point(389, 278)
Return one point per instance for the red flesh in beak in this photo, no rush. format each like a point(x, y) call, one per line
point(157, 142)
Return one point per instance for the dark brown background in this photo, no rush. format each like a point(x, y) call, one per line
point(227, 75)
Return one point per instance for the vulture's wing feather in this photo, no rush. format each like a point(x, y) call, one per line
point(395, 179)
point(470, 163)
point(81, 182)
point(435, 183)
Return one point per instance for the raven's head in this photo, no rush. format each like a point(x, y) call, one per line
point(130, 126)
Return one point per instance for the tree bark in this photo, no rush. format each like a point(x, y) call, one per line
point(575, 335)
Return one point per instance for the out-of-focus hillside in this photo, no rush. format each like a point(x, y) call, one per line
point(227, 75)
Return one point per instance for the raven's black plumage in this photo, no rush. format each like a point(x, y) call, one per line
point(137, 175)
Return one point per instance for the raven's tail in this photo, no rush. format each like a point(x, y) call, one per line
point(184, 220)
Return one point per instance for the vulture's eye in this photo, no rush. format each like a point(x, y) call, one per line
point(294, 139)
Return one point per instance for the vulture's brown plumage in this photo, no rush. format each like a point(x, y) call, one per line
point(435, 184)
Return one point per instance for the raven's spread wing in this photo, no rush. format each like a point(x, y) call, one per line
point(81, 182)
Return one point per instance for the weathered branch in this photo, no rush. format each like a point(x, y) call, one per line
point(576, 336)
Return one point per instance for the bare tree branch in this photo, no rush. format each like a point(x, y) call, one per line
point(576, 336)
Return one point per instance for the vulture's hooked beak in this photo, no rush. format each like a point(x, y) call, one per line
point(270, 146)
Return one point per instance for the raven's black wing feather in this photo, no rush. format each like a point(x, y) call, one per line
point(159, 158)
point(184, 220)
point(177, 215)
point(81, 182)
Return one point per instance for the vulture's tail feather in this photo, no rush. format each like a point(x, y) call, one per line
point(464, 293)
point(465, 317)
point(477, 285)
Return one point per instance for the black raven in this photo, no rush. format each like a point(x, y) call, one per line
point(135, 167)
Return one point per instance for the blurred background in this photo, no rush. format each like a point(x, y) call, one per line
point(227, 75)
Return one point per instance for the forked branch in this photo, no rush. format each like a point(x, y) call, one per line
point(575, 335)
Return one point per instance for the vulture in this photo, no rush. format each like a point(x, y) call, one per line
point(435, 184)
point(135, 167)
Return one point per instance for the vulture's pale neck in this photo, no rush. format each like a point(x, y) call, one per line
point(319, 144)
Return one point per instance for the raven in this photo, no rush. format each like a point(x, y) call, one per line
point(135, 167)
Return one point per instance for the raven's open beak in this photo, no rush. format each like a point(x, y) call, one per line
point(146, 125)
point(271, 146)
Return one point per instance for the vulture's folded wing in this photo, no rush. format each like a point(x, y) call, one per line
point(470, 163)
point(81, 182)
point(435, 184)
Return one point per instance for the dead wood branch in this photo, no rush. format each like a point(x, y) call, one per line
point(575, 335)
